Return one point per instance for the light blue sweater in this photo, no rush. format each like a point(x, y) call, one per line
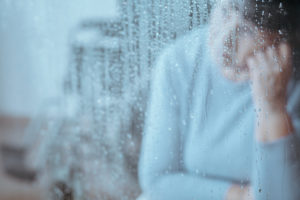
point(199, 133)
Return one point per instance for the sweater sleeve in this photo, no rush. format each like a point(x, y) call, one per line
point(161, 170)
point(276, 173)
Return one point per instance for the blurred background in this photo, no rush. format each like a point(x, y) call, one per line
point(74, 82)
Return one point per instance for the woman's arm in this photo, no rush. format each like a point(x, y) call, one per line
point(276, 172)
point(270, 74)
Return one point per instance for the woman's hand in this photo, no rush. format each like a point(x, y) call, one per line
point(237, 192)
point(270, 72)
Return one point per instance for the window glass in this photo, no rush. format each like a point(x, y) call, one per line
point(149, 99)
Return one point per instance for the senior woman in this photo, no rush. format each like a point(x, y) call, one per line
point(223, 120)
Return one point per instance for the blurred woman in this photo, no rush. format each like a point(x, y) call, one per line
point(223, 120)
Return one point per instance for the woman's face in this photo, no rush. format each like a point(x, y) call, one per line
point(233, 40)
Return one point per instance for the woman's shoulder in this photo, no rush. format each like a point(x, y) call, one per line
point(189, 44)
point(180, 57)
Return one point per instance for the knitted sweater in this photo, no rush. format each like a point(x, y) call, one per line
point(199, 133)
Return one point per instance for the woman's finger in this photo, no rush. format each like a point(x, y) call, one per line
point(252, 64)
point(285, 52)
point(263, 64)
point(270, 53)
point(273, 62)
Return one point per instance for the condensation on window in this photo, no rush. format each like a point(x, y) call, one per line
point(75, 82)
point(78, 73)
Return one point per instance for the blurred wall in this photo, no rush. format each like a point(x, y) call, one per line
point(34, 49)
